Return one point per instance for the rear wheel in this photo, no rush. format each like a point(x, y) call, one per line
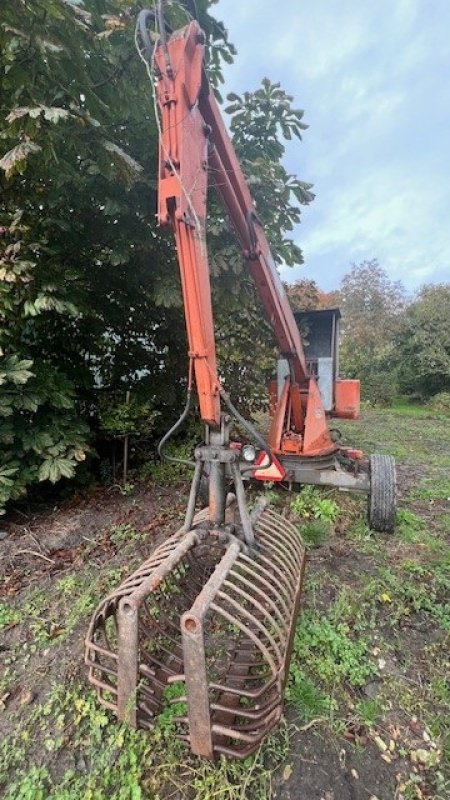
point(382, 496)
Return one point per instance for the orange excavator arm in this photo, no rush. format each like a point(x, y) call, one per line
point(194, 143)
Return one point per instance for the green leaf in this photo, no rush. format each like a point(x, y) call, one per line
point(15, 371)
point(15, 160)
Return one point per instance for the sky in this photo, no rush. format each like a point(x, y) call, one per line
point(374, 80)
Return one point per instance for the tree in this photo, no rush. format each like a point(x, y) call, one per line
point(305, 295)
point(423, 343)
point(90, 300)
point(371, 306)
point(86, 296)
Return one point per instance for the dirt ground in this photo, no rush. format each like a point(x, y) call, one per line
point(368, 702)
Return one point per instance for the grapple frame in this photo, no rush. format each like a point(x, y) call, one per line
point(216, 618)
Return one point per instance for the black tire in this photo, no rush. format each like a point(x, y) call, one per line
point(382, 498)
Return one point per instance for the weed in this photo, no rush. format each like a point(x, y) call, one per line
point(315, 532)
point(311, 504)
point(311, 701)
point(124, 533)
point(369, 710)
point(127, 489)
point(8, 615)
point(335, 655)
point(271, 496)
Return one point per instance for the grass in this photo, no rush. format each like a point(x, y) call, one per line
point(8, 615)
point(370, 655)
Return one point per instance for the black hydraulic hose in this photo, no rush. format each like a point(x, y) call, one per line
point(144, 17)
point(161, 22)
point(162, 454)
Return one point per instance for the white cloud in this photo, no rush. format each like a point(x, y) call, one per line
point(372, 78)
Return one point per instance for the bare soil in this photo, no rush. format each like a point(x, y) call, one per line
point(57, 563)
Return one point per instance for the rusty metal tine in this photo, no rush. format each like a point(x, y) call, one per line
point(254, 621)
point(289, 532)
point(249, 693)
point(263, 611)
point(269, 588)
point(235, 621)
point(293, 621)
point(278, 552)
point(286, 567)
point(256, 565)
point(235, 574)
point(279, 572)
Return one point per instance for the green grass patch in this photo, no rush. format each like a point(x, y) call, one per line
point(310, 503)
point(333, 654)
point(8, 615)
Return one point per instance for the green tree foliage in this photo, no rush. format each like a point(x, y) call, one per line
point(304, 294)
point(371, 306)
point(89, 290)
point(89, 295)
point(423, 343)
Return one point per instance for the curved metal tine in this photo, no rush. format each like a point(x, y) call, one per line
point(102, 668)
point(254, 565)
point(233, 573)
point(113, 618)
point(278, 551)
point(270, 546)
point(251, 694)
point(283, 548)
point(106, 687)
point(254, 621)
point(284, 581)
point(249, 713)
point(266, 590)
point(285, 542)
point(233, 733)
point(263, 611)
point(260, 645)
point(289, 530)
point(279, 525)
point(286, 566)
point(145, 570)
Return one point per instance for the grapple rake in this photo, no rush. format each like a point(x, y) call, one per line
point(212, 615)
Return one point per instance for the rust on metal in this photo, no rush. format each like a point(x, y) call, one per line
point(214, 617)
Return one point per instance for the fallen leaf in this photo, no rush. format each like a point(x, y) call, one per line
point(26, 697)
point(380, 744)
point(287, 772)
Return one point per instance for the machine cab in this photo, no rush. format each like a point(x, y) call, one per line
point(320, 333)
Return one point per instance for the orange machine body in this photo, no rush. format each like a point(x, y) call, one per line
point(194, 143)
point(346, 399)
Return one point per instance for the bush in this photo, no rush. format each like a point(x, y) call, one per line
point(440, 403)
